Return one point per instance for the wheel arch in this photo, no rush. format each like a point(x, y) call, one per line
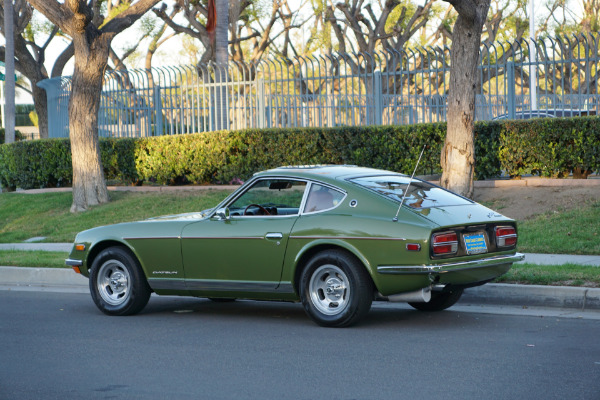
point(311, 249)
point(105, 244)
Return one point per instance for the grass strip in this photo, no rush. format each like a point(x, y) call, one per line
point(37, 259)
point(563, 232)
point(23, 216)
point(553, 275)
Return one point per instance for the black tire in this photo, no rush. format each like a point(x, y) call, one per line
point(335, 288)
point(439, 301)
point(117, 282)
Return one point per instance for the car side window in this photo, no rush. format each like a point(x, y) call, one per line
point(322, 198)
point(270, 197)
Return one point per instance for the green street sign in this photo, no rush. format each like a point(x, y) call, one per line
point(2, 76)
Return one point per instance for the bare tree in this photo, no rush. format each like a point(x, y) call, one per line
point(458, 153)
point(80, 20)
point(243, 28)
point(391, 28)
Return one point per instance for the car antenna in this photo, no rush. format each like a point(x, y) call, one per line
point(395, 219)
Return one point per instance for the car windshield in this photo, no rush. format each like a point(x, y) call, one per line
point(420, 194)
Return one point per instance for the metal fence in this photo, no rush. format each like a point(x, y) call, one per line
point(387, 87)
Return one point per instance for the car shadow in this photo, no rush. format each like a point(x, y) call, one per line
point(382, 314)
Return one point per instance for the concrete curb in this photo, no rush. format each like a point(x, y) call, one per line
point(580, 298)
point(498, 183)
point(65, 280)
point(51, 279)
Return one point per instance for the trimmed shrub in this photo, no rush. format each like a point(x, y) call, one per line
point(546, 147)
point(550, 147)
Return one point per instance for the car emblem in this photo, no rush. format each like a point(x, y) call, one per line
point(469, 216)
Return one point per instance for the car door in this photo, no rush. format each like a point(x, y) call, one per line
point(244, 252)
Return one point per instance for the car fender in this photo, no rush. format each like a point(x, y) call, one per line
point(316, 245)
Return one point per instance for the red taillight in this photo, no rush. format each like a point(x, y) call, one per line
point(444, 243)
point(506, 236)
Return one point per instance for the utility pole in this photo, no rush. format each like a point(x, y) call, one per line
point(9, 88)
point(533, 58)
point(221, 62)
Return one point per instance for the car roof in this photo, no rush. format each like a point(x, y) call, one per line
point(325, 172)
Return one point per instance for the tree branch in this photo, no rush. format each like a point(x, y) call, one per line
point(128, 17)
point(465, 8)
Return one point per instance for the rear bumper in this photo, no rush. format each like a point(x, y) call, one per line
point(439, 269)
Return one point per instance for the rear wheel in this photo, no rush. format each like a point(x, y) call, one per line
point(117, 282)
point(335, 289)
point(439, 301)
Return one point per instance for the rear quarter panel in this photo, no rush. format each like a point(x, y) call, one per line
point(367, 231)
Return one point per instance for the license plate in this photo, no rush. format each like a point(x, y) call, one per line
point(475, 244)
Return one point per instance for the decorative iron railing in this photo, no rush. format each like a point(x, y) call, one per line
point(388, 87)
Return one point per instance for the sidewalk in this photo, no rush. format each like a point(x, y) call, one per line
point(579, 298)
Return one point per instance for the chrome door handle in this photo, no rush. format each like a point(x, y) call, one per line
point(274, 236)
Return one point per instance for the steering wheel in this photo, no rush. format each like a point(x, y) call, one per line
point(261, 208)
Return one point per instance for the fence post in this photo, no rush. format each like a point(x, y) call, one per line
point(158, 116)
point(53, 88)
point(377, 97)
point(260, 102)
point(510, 89)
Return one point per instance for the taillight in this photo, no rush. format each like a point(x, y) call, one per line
point(444, 243)
point(506, 236)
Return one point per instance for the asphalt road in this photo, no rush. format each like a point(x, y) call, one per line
point(58, 346)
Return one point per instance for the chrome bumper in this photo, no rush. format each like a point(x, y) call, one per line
point(449, 267)
point(73, 263)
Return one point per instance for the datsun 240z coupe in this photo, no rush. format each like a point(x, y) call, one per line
point(333, 237)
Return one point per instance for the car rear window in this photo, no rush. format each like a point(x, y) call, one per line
point(420, 194)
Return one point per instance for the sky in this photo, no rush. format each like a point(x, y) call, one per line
point(169, 54)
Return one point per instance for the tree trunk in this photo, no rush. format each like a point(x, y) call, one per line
point(458, 153)
point(89, 187)
point(40, 102)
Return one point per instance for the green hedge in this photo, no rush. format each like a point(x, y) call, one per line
point(551, 147)
point(222, 157)
point(546, 147)
point(47, 163)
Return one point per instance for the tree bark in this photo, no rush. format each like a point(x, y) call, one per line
point(89, 187)
point(458, 153)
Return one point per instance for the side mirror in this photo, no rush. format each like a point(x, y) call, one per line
point(223, 213)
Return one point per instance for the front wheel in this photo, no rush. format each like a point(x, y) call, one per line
point(117, 282)
point(335, 289)
point(439, 301)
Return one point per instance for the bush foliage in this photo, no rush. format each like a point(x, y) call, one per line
point(546, 147)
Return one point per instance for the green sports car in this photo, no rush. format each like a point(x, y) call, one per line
point(333, 237)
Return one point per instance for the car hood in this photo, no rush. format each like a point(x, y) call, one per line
point(183, 217)
point(457, 215)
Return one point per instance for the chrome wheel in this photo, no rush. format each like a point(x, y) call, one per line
point(114, 282)
point(329, 290)
point(335, 288)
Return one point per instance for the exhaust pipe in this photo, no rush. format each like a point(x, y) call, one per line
point(418, 296)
